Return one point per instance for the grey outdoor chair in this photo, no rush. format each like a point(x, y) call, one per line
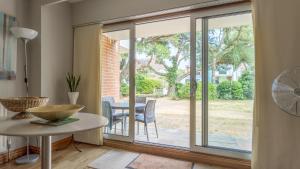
point(148, 116)
point(112, 101)
point(112, 119)
point(140, 99)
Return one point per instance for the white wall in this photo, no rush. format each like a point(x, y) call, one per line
point(16, 87)
point(57, 50)
point(35, 48)
point(103, 10)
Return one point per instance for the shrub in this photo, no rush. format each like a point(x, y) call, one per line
point(230, 90)
point(237, 90)
point(212, 91)
point(145, 85)
point(247, 81)
point(183, 91)
point(224, 90)
point(124, 89)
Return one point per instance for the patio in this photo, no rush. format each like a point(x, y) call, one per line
point(230, 124)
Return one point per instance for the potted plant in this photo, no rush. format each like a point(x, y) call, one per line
point(73, 82)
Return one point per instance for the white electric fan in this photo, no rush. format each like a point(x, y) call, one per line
point(286, 91)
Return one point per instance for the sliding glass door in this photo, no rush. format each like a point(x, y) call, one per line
point(222, 50)
point(185, 82)
point(163, 78)
point(117, 97)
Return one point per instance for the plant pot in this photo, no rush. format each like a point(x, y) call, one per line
point(73, 96)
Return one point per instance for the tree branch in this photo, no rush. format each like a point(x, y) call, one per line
point(152, 69)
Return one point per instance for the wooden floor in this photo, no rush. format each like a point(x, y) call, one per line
point(69, 158)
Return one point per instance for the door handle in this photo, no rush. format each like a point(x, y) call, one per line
point(194, 88)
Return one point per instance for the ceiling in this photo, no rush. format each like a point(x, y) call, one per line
point(180, 25)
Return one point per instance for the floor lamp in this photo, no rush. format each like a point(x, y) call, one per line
point(26, 35)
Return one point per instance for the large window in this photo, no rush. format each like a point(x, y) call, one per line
point(185, 82)
point(225, 61)
point(230, 81)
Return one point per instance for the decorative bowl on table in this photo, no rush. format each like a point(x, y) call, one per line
point(55, 112)
point(20, 104)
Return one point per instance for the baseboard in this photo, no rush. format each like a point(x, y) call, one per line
point(14, 154)
point(58, 145)
point(181, 154)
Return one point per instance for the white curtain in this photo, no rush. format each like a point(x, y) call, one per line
point(87, 64)
point(276, 143)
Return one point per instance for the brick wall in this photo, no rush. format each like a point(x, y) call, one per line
point(110, 68)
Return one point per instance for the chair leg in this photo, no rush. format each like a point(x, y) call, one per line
point(146, 128)
point(156, 129)
point(116, 128)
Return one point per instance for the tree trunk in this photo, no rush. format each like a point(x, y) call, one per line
point(171, 90)
point(213, 70)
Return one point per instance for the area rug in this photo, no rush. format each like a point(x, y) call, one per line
point(113, 159)
point(145, 161)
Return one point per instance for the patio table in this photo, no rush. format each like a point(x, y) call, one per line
point(125, 106)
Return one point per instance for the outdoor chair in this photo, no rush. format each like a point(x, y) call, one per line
point(112, 101)
point(140, 99)
point(112, 119)
point(148, 116)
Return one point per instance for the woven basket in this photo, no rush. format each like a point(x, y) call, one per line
point(20, 104)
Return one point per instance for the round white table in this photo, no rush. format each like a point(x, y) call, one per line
point(87, 121)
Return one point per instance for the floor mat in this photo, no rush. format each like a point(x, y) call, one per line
point(145, 161)
point(114, 159)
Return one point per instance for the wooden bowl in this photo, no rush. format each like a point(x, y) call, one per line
point(20, 104)
point(55, 112)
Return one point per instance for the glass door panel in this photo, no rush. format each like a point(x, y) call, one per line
point(230, 81)
point(115, 81)
point(163, 76)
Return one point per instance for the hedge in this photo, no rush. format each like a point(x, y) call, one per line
point(183, 91)
point(230, 90)
point(145, 85)
point(247, 81)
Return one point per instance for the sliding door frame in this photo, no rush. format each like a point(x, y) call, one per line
point(204, 16)
point(131, 131)
point(204, 147)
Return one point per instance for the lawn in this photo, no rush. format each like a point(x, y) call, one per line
point(228, 118)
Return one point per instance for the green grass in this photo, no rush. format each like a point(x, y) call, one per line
point(245, 106)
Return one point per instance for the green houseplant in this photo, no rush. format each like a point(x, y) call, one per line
point(73, 83)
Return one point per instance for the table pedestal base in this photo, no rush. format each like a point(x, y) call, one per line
point(46, 152)
point(27, 159)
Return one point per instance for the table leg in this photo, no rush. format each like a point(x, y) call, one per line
point(46, 152)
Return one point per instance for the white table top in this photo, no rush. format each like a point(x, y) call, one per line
point(87, 121)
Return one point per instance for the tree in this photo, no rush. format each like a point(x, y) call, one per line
point(124, 67)
point(227, 46)
point(230, 46)
point(168, 51)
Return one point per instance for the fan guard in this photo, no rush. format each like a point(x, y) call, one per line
point(286, 91)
